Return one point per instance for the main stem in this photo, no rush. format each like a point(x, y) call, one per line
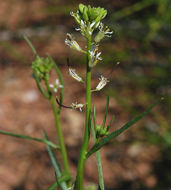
point(81, 161)
point(60, 136)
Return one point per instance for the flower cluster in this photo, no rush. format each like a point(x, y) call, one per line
point(88, 18)
point(42, 67)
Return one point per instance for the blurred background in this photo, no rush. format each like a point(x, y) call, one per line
point(139, 159)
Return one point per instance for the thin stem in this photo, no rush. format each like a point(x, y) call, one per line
point(99, 165)
point(59, 130)
point(82, 157)
point(60, 136)
point(38, 82)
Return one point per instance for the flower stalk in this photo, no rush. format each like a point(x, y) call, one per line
point(82, 158)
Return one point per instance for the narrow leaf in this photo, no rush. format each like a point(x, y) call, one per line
point(31, 45)
point(94, 117)
point(55, 164)
point(30, 138)
point(111, 121)
point(119, 131)
point(99, 165)
point(105, 116)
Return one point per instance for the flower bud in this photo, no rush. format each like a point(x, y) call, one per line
point(101, 132)
point(42, 67)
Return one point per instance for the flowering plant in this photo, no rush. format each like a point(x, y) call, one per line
point(89, 20)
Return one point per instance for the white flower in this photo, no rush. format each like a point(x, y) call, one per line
point(72, 43)
point(87, 28)
point(56, 86)
point(74, 75)
point(102, 83)
point(105, 30)
point(77, 106)
point(84, 28)
point(83, 24)
point(94, 55)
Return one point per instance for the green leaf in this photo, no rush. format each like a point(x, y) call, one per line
point(99, 165)
point(55, 164)
point(119, 131)
point(31, 45)
point(94, 116)
point(107, 106)
point(111, 121)
point(30, 138)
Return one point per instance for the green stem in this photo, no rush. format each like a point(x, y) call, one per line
point(59, 130)
point(60, 136)
point(82, 157)
point(38, 82)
